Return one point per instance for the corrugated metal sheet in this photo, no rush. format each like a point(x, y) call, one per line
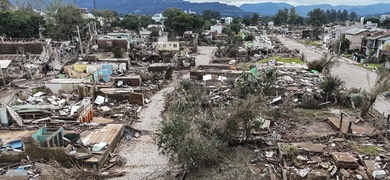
point(4, 117)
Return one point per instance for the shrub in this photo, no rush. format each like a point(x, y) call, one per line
point(189, 134)
point(353, 98)
point(331, 84)
point(118, 52)
point(310, 103)
point(322, 64)
point(317, 65)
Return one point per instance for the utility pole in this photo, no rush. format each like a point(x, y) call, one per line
point(2, 75)
point(94, 4)
point(81, 45)
point(340, 42)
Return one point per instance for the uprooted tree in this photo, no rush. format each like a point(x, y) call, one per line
point(381, 85)
point(322, 65)
point(196, 131)
point(245, 112)
point(192, 132)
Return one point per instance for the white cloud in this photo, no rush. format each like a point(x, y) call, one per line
point(297, 2)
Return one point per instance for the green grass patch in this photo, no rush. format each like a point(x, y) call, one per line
point(316, 44)
point(243, 66)
point(281, 59)
point(371, 66)
point(312, 113)
point(310, 43)
point(348, 55)
point(370, 150)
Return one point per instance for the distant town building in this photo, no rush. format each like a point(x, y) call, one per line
point(158, 17)
point(217, 28)
point(145, 34)
point(84, 10)
point(189, 12)
point(227, 20)
point(371, 26)
point(384, 17)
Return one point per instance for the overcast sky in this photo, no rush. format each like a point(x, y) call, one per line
point(298, 2)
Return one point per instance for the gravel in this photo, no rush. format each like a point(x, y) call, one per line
point(143, 159)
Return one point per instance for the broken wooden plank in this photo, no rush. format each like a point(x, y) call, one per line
point(41, 120)
point(15, 116)
point(271, 173)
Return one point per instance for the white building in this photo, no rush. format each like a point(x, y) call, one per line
point(145, 34)
point(385, 16)
point(158, 17)
point(189, 12)
point(217, 28)
point(227, 20)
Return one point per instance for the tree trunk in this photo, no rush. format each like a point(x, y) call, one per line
point(366, 107)
point(247, 131)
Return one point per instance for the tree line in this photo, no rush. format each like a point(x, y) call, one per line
point(60, 20)
point(316, 17)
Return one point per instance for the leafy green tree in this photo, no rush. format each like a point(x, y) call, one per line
point(237, 20)
point(207, 25)
point(65, 20)
point(331, 15)
point(110, 19)
point(146, 20)
point(280, 17)
point(185, 22)
point(338, 19)
point(353, 16)
point(248, 84)
point(154, 34)
point(245, 113)
point(189, 133)
point(250, 37)
point(247, 20)
point(209, 14)
point(130, 22)
point(171, 13)
point(255, 19)
point(301, 20)
point(372, 19)
point(386, 23)
point(331, 84)
point(22, 23)
point(292, 16)
point(5, 5)
point(344, 15)
point(269, 79)
point(344, 43)
point(118, 52)
point(317, 17)
point(235, 28)
point(30, 4)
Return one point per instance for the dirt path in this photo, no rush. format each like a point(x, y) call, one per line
point(143, 159)
point(347, 70)
point(204, 56)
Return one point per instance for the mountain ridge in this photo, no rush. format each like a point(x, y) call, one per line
point(302, 10)
point(152, 7)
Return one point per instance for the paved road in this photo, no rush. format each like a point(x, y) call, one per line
point(310, 53)
point(353, 75)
